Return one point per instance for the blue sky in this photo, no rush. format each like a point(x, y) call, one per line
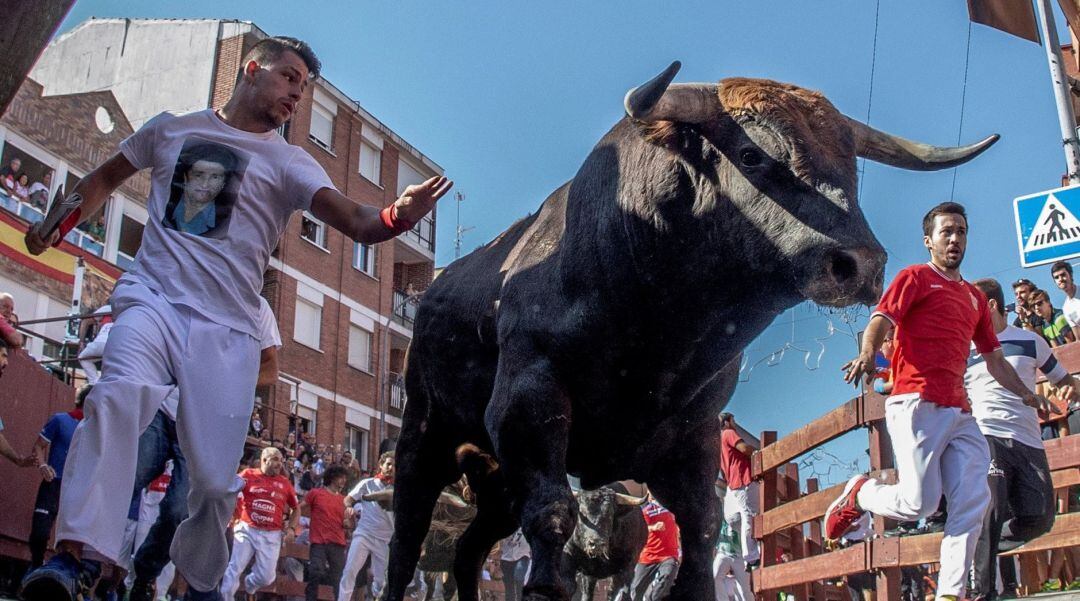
point(509, 97)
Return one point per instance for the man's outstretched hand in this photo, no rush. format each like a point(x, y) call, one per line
point(417, 200)
point(863, 366)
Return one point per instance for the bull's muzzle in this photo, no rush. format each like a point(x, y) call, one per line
point(855, 275)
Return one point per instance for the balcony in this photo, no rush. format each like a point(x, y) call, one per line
point(405, 308)
point(419, 241)
point(397, 392)
point(33, 215)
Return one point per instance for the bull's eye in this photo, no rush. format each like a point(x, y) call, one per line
point(750, 157)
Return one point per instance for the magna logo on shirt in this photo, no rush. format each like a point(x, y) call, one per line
point(262, 510)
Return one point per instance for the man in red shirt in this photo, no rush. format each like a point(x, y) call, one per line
point(658, 563)
point(327, 535)
point(936, 442)
point(740, 500)
point(263, 504)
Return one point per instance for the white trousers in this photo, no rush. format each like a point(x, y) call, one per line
point(359, 550)
point(740, 507)
point(155, 346)
point(737, 585)
point(248, 542)
point(147, 516)
point(937, 449)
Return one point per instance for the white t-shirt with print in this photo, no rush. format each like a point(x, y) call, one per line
point(219, 200)
point(269, 336)
point(999, 412)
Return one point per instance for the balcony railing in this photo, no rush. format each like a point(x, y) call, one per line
point(404, 309)
point(397, 391)
point(33, 215)
point(423, 233)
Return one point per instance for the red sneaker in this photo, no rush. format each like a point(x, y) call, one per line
point(844, 511)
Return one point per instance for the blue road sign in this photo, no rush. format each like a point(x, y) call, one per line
point(1047, 229)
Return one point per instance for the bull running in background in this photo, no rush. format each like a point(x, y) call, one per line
point(601, 336)
point(606, 543)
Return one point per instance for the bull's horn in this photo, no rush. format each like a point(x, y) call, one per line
point(660, 100)
point(893, 150)
point(451, 499)
point(621, 499)
point(379, 495)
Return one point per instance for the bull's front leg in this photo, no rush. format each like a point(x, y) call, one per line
point(529, 422)
point(685, 487)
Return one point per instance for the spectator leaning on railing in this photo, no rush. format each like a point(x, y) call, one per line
point(1024, 313)
point(1055, 328)
point(1062, 272)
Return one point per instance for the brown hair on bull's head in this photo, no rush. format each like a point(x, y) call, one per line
point(782, 160)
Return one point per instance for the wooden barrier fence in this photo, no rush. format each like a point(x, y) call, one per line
point(790, 521)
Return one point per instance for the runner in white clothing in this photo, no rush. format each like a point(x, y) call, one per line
point(223, 187)
point(374, 527)
point(1021, 489)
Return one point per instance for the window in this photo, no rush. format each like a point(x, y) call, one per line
point(323, 111)
point(313, 230)
point(364, 258)
point(356, 443)
point(359, 348)
point(307, 326)
point(370, 161)
point(131, 232)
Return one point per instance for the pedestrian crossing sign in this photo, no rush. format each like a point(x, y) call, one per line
point(1047, 227)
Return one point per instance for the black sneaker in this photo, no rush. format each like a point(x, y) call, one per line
point(62, 578)
point(142, 590)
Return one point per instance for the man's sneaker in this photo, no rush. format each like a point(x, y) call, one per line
point(194, 595)
point(62, 578)
point(844, 511)
point(142, 590)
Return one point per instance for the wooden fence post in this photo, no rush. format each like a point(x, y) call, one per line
point(881, 457)
point(768, 498)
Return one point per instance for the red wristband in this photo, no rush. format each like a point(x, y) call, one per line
point(68, 224)
point(393, 222)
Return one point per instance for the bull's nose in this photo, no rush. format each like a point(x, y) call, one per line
point(860, 270)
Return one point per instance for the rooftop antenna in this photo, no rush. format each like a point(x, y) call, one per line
point(459, 232)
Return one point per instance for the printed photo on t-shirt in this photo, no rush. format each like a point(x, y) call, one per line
point(204, 188)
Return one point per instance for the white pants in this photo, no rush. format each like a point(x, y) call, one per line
point(737, 586)
point(147, 516)
point(937, 449)
point(248, 542)
point(740, 507)
point(155, 346)
point(359, 550)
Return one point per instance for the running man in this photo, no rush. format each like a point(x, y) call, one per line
point(267, 503)
point(186, 313)
point(937, 444)
point(374, 527)
point(658, 564)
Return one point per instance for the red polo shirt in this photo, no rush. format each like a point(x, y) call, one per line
point(734, 463)
point(936, 319)
point(661, 544)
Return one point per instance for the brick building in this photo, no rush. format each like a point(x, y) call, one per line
point(344, 310)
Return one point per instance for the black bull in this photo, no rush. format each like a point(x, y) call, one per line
point(609, 536)
point(601, 335)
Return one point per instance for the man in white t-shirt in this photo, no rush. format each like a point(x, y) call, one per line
point(1021, 490)
point(374, 527)
point(223, 186)
point(1062, 272)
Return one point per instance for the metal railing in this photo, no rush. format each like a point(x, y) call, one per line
point(397, 391)
point(405, 308)
point(423, 233)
